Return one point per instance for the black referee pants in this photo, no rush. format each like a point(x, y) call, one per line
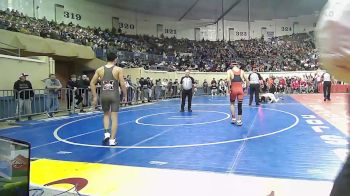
point(186, 93)
point(327, 89)
point(254, 90)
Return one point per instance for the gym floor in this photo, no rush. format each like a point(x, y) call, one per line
point(293, 147)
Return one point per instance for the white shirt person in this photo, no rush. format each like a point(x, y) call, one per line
point(187, 85)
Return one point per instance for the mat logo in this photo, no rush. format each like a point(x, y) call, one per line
point(319, 127)
point(78, 184)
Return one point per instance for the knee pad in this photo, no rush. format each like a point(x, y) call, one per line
point(240, 108)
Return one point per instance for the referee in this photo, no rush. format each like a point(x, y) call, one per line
point(327, 84)
point(254, 81)
point(187, 83)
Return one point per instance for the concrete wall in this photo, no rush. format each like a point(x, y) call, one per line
point(200, 76)
point(12, 67)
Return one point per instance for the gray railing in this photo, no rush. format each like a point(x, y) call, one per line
point(27, 103)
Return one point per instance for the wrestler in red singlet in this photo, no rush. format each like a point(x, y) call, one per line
point(236, 76)
point(236, 86)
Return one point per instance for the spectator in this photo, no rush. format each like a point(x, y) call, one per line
point(84, 88)
point(24, 96)
point(169, 88)
point(144, 89)
point(158, 89)
point(205, 86)
point(164, 87)
point(138, 89)
point(222, 87)
point(52, 86)
point(130, 89)
point(149, 83)
point(176, 87)
point(72, 92)
point(214, 87)
point(295, 85)
point(127, 86)
point(288, 85)
point(284, 53)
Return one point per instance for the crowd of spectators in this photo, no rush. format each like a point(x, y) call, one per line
point(307, 83)
point(285, 53)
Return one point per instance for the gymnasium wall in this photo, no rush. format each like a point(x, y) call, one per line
point(39, 45)
point(200, 76)
point(37, 69)
point(87, 13)
point(133, 72)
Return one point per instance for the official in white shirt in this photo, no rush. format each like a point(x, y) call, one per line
point(187, 86)
point(254, 81)
point(327, 84)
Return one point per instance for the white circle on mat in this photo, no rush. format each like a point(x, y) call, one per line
point(139, 120)
point(177, 146)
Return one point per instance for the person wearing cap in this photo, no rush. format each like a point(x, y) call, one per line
point(24, 95)
point(52, 86)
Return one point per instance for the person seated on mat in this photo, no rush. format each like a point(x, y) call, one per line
point(266, 97)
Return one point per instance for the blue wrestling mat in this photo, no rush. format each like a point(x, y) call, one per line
point(276, 140)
